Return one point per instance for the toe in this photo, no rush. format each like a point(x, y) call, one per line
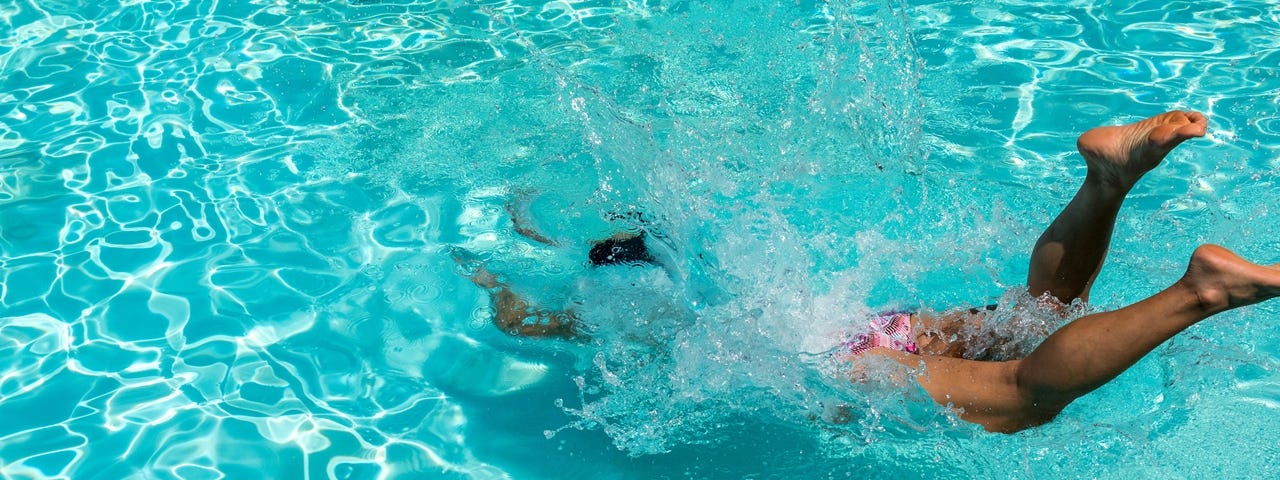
point(1196, 129)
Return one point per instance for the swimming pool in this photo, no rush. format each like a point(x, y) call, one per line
point(228, 232)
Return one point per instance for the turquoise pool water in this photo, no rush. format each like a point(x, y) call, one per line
point(230, 232)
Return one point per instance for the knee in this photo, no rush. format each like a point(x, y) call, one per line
point(1038, 403)
point(1029, 415)
point(1034, 417)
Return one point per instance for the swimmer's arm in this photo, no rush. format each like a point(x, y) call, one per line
point(518, 208)
point(513, 311)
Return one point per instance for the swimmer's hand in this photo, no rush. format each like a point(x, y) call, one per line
point(472, 266)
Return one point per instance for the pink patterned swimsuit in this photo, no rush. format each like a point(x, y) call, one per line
point(888, 330)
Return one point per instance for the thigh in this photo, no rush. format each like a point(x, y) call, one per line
point(985, 393)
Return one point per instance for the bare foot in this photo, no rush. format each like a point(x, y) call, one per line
point(1222, 280)
point(1119, 155)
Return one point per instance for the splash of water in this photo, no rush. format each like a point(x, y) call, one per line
point(735, 174)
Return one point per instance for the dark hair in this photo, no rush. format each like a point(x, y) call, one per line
point(614, 251)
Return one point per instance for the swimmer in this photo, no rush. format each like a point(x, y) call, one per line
point(1015, 394)
point(516, 316)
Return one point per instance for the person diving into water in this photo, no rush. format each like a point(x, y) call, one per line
point(1015, 394)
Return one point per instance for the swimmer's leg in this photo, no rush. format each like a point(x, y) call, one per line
point(1070, 252)
point(1069, 255)
point(1082, 356)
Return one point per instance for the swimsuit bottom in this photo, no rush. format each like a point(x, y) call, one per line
point(887, 330)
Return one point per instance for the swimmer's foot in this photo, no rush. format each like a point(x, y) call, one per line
point(1222, 280)
point(1119, 155)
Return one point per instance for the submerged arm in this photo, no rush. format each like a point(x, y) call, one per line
point(517, 317)
point(518, 208)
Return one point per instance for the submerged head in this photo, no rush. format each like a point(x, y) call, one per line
point(620, 249)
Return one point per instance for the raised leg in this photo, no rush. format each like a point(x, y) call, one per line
point(1069, 255)
point(1014, 395)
